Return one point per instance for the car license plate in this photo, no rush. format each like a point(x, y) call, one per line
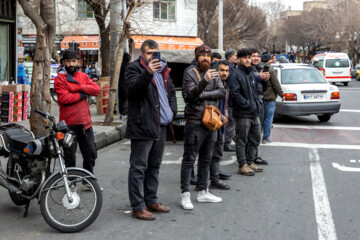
point(310, 97)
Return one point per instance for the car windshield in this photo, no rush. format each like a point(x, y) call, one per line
point(337, 63)
point(301, 76)
point(321, 63)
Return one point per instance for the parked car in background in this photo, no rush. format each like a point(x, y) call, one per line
point(306, 91)
point(336, 67)
point(355, 72)
point(53, 74)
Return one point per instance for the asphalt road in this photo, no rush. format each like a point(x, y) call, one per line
point(309, 190)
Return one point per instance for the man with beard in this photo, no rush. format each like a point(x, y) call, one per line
point(246, 106)
point(201, 86)
point(71, 88)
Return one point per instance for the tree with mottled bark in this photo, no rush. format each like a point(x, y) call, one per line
point(45, 24)
point(132, 5)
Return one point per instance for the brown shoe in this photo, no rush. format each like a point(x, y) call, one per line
point(245, 170)
point(143, 214)
point(255, 167)
point(158, 207)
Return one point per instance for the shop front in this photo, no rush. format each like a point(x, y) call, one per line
point(7, 40)
point(88, 46)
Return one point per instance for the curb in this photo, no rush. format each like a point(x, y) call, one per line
point(104, 139)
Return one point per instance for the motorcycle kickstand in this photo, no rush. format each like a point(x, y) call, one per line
point(27, 204)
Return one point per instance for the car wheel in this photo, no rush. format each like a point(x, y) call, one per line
point(324, 118)
point(357, 77)
point(346, 83)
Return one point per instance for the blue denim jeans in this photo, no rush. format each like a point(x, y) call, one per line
point(268, 118)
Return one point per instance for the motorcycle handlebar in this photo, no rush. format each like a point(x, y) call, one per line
point(44, 114)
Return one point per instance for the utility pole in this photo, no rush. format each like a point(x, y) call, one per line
point(220, 38)
point(124, 16)
point(115, 29)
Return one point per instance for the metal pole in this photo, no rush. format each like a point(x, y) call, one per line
point(220, 38)
point(124, 16)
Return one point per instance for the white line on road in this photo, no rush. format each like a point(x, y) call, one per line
point(326, 226)
point(311, 145)
point(344, 168)
point(316, 127)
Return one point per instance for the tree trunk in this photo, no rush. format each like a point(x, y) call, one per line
point(105, 53)
point(40, 98)
point(118, 61)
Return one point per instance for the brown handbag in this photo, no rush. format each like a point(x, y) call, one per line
point(212, 115)
point(212, 118)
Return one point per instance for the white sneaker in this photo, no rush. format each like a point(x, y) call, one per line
point(186, 201)
point(206, 196)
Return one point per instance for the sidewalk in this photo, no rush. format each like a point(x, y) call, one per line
point(104, 135)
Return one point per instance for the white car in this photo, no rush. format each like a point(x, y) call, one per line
point(306, 91)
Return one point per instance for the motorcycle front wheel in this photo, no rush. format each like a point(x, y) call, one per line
point(69, 216)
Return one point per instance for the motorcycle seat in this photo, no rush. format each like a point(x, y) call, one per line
point(16, 139)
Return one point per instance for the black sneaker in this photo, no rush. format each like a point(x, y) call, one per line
point(219, 185)
point(230, 148)
point(261, 161)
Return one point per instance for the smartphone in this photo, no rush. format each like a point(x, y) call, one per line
point(156, 55)
point(266, 69)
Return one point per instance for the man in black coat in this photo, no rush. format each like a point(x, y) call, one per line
point(246, 106)
point(122, 90)
point(152, 106)
point(201, 86)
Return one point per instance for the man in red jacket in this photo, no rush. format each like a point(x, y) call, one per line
point(72, 88)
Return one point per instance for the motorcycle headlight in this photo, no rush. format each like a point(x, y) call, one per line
point(68, 140)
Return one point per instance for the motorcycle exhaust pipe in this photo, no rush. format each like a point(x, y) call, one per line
point(6, 184)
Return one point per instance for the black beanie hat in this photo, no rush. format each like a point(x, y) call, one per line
point(70, 54)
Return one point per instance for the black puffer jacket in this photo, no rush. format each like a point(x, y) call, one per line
point(243, 92)
point(144, 108)
point(197, 94)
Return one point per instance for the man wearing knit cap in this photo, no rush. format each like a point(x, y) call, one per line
point(231, 57)
point(201, 86)
point(72, 87)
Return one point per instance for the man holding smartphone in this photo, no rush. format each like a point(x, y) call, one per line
point(201, 86)
point(152, 106)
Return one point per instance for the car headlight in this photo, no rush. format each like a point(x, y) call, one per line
point(68, 140)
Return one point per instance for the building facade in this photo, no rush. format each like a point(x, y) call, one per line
point(174, 21)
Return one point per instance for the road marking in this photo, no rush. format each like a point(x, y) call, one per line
point(310, 145)
point(326, 226)
point(353, 161)
point(350, 110)
point(344, 168)
point(172, 161)
point(316, 127)
point(179, 161)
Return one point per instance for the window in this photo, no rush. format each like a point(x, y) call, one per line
point(301, 76)
point(337, 63)
point(164, 9)
point(84, 10)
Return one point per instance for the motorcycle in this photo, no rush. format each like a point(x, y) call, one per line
point(70, 198)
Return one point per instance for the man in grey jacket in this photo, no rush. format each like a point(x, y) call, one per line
point(201, 86)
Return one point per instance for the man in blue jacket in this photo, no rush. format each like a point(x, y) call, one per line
point(152, 106)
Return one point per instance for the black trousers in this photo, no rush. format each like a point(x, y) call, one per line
point(216, 158)
point(87, 145)
point(198, 140)
point(143, 178)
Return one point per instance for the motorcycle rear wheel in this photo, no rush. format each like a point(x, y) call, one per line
point(66, 216)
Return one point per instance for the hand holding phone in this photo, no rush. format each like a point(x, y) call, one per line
point(266, 69)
